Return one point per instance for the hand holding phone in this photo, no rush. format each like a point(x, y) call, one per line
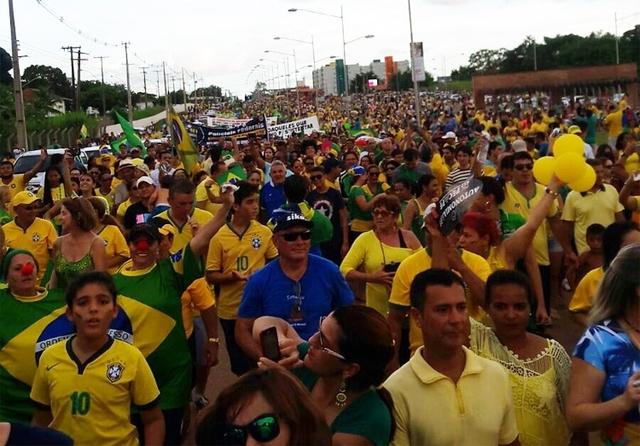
point(270, 346)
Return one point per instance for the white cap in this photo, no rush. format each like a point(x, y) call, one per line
point(449, 135)
point(144, 179)
point(519, 145)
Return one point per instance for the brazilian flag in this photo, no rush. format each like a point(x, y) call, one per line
point(235, 173)
point(185, 147)
point(356, 133)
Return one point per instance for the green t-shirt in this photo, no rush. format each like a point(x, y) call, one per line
point(368, 416)
point(355, 213)
point(26, 330)
point(5, 217)
point(151, 303)
point(509, 223)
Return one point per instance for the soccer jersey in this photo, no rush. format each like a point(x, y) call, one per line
point(37, 239)
point(91, 401)
point(516, 203)
point(150, 317)
point(183, 235)
point(202, 196)
point(28, 326)
point(114, 243)
point(244, 253)
point(15, 185)
point(109, 197)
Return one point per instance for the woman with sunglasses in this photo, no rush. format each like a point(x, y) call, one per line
point(264, 406)
point(375, 255)
point(343, 365)
point(360, 205)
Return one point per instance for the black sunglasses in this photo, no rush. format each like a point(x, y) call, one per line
point(263, 429)
point(523, 166)
point(293, 236)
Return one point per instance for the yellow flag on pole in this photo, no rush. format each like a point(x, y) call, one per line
point(185, 147)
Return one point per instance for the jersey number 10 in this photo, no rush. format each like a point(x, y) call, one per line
point(80, 403)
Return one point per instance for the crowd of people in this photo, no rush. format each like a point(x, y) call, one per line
point(349, 313)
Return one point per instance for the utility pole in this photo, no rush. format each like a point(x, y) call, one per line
point(184, 91)
point(129, 104)
point(104, 101)
point(158, 71)
point(80, 53)
point(71, 49)
point(144, 80)
point(166, 93)
point(21, 124)
point(195, 90)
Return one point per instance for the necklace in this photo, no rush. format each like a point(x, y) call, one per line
point(636, 329)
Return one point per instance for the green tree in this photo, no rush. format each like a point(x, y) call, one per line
point(359, 83)
point(38, 76)
point(403, 81)
point(6, 64)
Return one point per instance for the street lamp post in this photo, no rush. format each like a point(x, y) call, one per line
point(277, 67)
point(313, 55)
point(416, 93)
point(295, 74)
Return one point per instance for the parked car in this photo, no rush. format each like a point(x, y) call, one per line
point(26, 161)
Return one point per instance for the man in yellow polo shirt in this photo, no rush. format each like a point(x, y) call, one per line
point(447, 394)
point(208, 190)
point(29, 232)
point(17, 183)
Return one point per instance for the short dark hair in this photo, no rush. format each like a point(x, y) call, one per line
point(244, 191)
point(595, 162)
point(87, 278)
point(181, 186)
point(464, 149)
point(431, 277)
point(522, 156)
point(7, 162)
point(491, 186)
point(506, 162)
point(612, 240)
point(410, 155)
point(595, 229)
point(509, 277)
point(493, 145)
point(295, 188)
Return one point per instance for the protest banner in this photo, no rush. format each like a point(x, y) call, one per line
point(453, 204)
point(285, 130)
point(202, 134)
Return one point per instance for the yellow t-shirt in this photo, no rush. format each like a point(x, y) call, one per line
point(15, 185)
point(632, 163)
point(516, 203)
point(440, 170)
point(202, 196)
point(122, 208)
point(538, 127)
point(368, 251)
point(183, 235)
point(92, 402)
point(57, 193)
point(198, 296)
point(421, 261)
point(110, 197)
point(37, 239)
point(244, 253)
point(613, 122)
point(582, 299)
point(115, 244)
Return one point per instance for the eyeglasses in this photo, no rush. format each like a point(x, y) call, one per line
point(391, 169)
point(263, 429)
point(315, 177)
point(328, 351)
point(293, 236)
point(608, 166)
point(373, 174)
point(381, 213)
point(521, 167)
point(94, 172)
point(296, 313)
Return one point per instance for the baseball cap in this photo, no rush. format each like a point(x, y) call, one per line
point(23, 197)
point(167, 229)
point(144, 179)
point(575, 130)
point(143, 167)
point(125, 163)
point(146, 229)
point(449, 135)
point(519, 145)
point(286, 219)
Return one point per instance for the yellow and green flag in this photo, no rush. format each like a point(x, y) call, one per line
point(130, 134)
point(185, 147)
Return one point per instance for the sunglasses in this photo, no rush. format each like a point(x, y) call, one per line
point(381, 213)
point(608, 166)
point(523, 167)
point(263, 429)
point(321, 340)
point(315, 177)
point(373, 174)
point(293, 236)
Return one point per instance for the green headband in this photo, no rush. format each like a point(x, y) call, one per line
point(9, 256)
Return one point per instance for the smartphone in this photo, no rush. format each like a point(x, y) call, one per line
point(269, 341)
point(391, 267)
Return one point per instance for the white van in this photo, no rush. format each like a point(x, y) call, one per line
point(26, 161)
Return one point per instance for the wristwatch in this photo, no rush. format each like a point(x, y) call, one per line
point(215, 341)
point(550, 192)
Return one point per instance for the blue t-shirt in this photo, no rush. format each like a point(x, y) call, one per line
point(270, 293)
point(271, 198)
point(608, 348)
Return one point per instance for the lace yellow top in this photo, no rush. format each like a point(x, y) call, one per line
point(539, 386)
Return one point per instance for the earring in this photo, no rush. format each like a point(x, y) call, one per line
point(341, 397)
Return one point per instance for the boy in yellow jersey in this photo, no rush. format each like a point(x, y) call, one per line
point(237, 250)
point(85, 386)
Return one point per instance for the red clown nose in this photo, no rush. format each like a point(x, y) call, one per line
point(27, 269)
point(142, 245)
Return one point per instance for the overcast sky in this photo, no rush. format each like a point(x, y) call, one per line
point(221, 41)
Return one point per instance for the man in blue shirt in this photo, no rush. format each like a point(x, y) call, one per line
point(272, 193)
point(297, 287)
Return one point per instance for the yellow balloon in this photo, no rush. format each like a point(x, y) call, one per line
point(543, 169)
point(570, 167)
point(568, 144)
point(585, 182)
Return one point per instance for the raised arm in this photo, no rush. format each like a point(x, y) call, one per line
point(36, 168)
point(200, 242)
